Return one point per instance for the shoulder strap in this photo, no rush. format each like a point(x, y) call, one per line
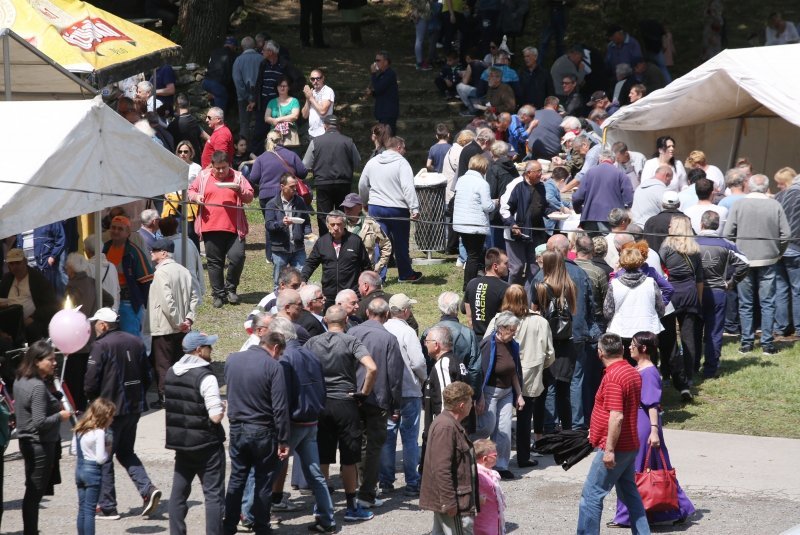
point(284, 163)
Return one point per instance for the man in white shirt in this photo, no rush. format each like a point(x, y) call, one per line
point(319, 103)
point(414, 376)
point(630, 162)
point(705, 189)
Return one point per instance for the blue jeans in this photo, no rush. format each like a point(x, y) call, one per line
point(88, 476)
point(124, 439)
point(398, 232)
point(420, 29)
point(303, 442)
point(762, 278)
point(714, 301)
point(219, 91)
point(576, 387)
point(495, 422)
point(599, 482)
point(251, 446)
point(787, 295)
point(130, 321)
point(280, 260)
point(410, 410)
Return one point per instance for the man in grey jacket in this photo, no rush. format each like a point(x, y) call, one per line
point(387, 187)
point(647, 197)
point(171, 307)
point(384, 400)
point(414, 376)
point(760, 229)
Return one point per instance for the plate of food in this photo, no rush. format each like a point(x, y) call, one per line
point(558, 216)
point(227, 185)
point(297, 220)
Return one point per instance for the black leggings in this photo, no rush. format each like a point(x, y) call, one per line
point(40, 468)
point(473, 243)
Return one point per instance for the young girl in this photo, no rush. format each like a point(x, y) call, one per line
point(92, 444)
point(490, 520)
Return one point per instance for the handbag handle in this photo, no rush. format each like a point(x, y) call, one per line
point(646, 464)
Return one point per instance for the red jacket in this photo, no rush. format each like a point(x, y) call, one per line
point(197, 192)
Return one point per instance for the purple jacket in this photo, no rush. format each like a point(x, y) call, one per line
point(602, 189)
point(265, 176)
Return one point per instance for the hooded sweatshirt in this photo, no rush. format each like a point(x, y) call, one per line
point(209, 388)
point(388, 180)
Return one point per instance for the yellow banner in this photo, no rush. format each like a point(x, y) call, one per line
point(79, 36)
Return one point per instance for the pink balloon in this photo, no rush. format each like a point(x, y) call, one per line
point(69, 330)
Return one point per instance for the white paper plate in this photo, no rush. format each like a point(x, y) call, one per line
point(297, 220)
point(557, 216)
point(227, 185)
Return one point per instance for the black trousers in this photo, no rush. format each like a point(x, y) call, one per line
point(681, 361)
point(329, 197)
point(524, 418)
point(166, 351)
point(209, 465)
point(41, 469)
point(311, 19)
point(218, 246)
point(473, 243)
point(74, 372)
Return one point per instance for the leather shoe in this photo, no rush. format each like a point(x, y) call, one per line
point(528, 464)
point(233, 298)
point(218, 302)
point(506, 474)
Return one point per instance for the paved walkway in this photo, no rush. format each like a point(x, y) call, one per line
point(739, 484)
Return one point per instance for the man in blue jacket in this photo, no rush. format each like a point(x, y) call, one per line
point(286, 235)
point(383, 86)
point(604, 188)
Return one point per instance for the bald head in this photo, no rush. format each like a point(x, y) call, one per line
point(336, 318)
point(559, 244)
point(664, 173)
point(622, 239)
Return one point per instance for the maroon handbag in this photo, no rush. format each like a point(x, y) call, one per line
point(658, 488)
point(302, 188)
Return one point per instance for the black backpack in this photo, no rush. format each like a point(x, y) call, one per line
point(556, 312)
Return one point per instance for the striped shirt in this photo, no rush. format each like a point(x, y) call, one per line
point(620, 390)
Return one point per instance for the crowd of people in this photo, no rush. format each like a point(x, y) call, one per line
point(577, 256)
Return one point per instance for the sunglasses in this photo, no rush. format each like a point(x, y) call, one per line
point(315, 78)
point(209, 117)
point(183, 152)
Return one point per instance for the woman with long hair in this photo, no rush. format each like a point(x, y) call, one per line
point(536, 353)
point(558, 292)
point(172, 203)
point(681, 257)
point(39, 416)
point(501, 390)
point(665, 154)
point(380, 137)
point(644, 349)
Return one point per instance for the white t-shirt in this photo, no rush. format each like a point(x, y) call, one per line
point(714, 174)
point(696, 211)
point(789, 35)
point(315, 125)
point(93, 446)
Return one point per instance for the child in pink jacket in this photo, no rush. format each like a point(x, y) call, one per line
point(490, 520)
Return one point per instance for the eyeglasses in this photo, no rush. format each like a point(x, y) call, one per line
point(284, 86)
point(315, 78)
point(209, 117)
point(183, 152)
point(428, 340)
point(567, 82)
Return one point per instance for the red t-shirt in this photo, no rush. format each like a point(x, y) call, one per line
point(219, 218)
point(221, 139)
point(620, 390)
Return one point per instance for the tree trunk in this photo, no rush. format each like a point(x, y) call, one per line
point(203, 24)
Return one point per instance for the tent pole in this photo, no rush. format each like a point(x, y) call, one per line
point(185, 228)
point(737, 140)
point(7, 66)
point(98, 261)
point(153, 96)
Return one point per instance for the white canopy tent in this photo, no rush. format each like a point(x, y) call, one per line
point(69, 158)
point(742, 102)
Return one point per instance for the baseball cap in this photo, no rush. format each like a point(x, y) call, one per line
point(122, 220)
point(400, 302)
point(670, 199)
point(350, 200)
point(195, 339)
point(596, 97)
point(105, 314)
point(164, 244)
point(15, 255)
point(331, 120)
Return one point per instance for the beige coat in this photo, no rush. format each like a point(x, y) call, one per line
point(536, 351)
point(173, 298)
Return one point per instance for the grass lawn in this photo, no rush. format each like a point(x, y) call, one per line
point(756, 394)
